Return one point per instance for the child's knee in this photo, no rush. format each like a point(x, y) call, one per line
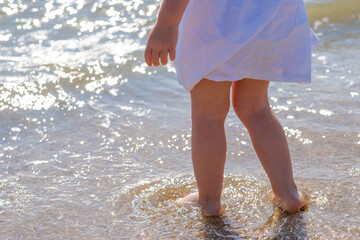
point(245, 108)
point(249, 96)
point(210, 100)
point(211, 111)
point(209, 119)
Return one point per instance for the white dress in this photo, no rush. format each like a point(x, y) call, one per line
point(228, 40)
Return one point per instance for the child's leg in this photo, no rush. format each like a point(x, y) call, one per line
point(250, 102)
point(210, 102)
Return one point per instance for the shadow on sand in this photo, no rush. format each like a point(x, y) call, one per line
point(280, 225)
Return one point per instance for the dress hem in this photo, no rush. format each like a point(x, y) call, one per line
point(271, 77)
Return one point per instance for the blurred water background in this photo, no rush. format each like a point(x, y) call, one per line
point(96, 145)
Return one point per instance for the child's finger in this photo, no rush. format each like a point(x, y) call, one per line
point(163, 56)
point(147, 56)
point(155, 57)
point(172, 53)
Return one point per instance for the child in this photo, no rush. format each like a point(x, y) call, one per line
point(242, 45)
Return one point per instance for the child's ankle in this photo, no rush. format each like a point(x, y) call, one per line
point(284, 191)
point(290, 201)
point(210, 208)
point(294, 203)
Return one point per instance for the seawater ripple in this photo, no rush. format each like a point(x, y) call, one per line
point(95, 144)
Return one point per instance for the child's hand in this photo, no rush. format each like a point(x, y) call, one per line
point(162, 40)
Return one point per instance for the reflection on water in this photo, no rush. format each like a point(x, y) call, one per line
point(247, 212)
point(96, 145)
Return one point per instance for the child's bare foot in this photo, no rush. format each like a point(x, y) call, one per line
point(291, 203)
point(192, 199)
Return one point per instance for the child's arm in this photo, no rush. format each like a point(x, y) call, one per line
point(163, 37)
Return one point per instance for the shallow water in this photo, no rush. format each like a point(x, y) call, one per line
point(96, 145)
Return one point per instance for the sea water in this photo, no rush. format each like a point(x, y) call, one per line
point(94, 144)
